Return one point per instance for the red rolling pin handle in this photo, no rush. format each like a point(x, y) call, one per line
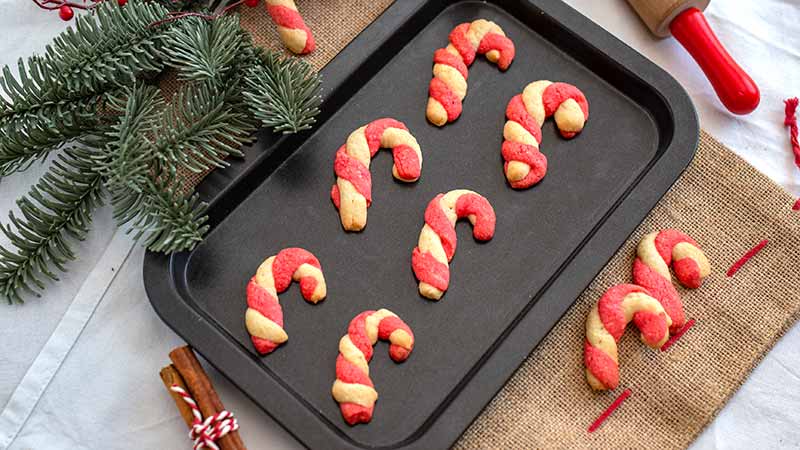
point(734, 87)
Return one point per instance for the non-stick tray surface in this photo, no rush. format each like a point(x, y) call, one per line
point(504, 295)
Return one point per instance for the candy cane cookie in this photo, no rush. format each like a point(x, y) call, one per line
point(264, 316)
point(352, 193)
point(606, 323)
point(524, 164)
point(655, 254)
point(437, 240)
point(353, 388)
point(449, 84)
point(294, 33)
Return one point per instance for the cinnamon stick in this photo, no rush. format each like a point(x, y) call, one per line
point(170, 377)
point(199, 386)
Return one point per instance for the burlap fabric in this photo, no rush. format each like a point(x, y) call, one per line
point(720, 200)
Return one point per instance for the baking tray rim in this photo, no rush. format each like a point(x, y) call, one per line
point(524, 333)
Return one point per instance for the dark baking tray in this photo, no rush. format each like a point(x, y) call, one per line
point(505, 295)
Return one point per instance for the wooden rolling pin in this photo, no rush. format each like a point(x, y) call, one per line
point(684, 19)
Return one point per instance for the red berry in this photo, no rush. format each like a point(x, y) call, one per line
point(122, 2)
point(251, 3)
point(65, 12)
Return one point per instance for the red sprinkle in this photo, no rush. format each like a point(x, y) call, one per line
point(596, 424)
point(752, 252)
point(677, 335)
point(791, 122)
point(796, 206)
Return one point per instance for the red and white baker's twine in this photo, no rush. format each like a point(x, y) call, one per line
point(791, 121)
point(352, 192)
point(353, 388)
point(437, 240)
point(524, 164)
point(449, 84)
point(264, 315)
point(291, 27)
point(205, 432)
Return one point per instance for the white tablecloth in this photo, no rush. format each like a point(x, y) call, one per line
point(105, 392)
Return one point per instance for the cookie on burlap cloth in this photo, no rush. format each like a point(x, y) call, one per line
point(729, 207)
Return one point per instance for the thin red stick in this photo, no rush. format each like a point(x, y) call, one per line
point(752, 252)
point(596, 424)
point(796, 206)
point(677, 335)
point(791, 122)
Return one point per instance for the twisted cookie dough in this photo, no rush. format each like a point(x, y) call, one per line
point(655, 253)
point(353, 389)
point(524, 164)
point(352, 193)
point(449, 84)
point(294, 33)
point(437, 240)
point(264, 316)
point(606, 323)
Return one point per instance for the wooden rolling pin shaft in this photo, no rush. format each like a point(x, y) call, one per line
point(684, 19)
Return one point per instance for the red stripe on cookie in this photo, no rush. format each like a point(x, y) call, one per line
point(357, 330)
point(375, 130)
point(662, 290)
point(557, 93)
point(530, 155)
point(478, 206)
point(407, 162)
point(438, 221)
point(601, 366)
point(442, 56)
point(286, 263)
point(429, 270)
point(440, 91)
point(289, 18)
point(458, 37)
point(652, 327)
point(264, 302)
point(388, 326)
point(517, 112)
point(351, 169)
point(494, 41)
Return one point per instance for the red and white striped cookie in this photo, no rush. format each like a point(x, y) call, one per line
point(655, 254)
point(524, 164)
point(352, 193)
point(264, 316)
point(353, 388)
point(437, 240)
point(294, 33)
point(449, 84)
point(606, 324)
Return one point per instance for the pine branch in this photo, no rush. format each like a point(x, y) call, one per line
point(201, 50)
point(283, 93)
point(143, 156)
point(56, 211)
point(55, 98)
point(201, 128)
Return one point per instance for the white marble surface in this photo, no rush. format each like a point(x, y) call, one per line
point(126, 342)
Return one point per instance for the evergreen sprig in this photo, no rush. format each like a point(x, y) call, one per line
point(55, 97)
point(56, 210)
point(283, 92)
point(200, 50)
point(90, 87)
